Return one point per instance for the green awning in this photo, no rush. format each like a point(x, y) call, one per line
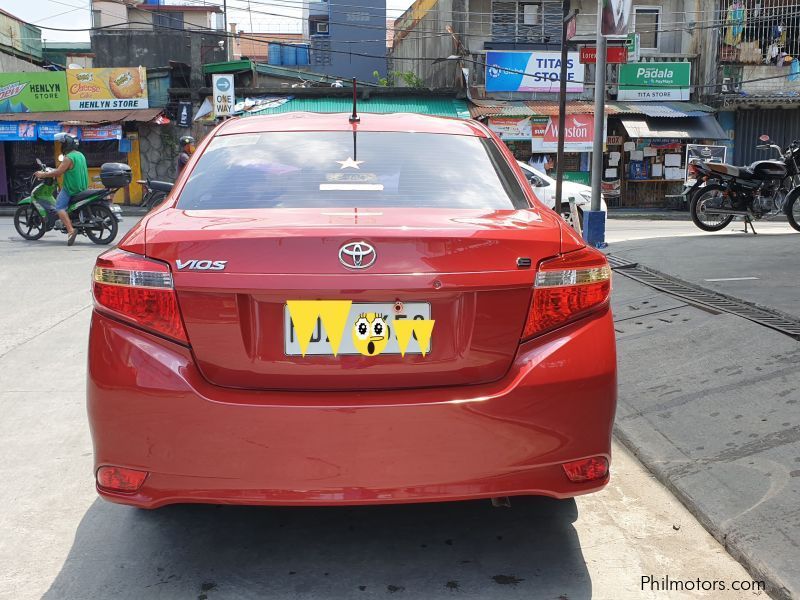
point(440, 107)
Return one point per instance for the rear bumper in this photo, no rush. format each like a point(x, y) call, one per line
point(150, 409)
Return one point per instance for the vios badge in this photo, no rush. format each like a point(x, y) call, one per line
point(201, 265)
point(357, 255)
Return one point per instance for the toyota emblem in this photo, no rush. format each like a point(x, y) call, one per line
point(357, 255)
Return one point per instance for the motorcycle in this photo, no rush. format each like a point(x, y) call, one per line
point(766, 188)
point(154, 192)
point(91, 212)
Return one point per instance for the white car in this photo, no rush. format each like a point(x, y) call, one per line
point(545, 189)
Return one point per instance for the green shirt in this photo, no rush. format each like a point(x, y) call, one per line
point(76, 179)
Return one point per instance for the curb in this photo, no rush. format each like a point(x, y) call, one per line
point(756, 568)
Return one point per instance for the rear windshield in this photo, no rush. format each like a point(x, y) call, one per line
point(343, 169)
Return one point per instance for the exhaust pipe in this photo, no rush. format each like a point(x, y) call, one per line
point(722, 211)
point(501, 502)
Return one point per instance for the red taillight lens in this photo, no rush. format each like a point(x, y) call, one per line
point(138, 290)
point(120, 479)
point(587, 469)
point(567, 288)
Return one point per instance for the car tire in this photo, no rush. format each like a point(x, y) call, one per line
point(567, 216)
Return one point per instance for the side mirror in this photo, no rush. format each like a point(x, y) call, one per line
point(764, 138)
point(539, 182)
point(40, 163)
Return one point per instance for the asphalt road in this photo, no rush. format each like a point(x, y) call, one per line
point(762, 269)
point(60, 542)
point(709, 402)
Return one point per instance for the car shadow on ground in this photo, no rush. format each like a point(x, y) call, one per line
point(443, 550)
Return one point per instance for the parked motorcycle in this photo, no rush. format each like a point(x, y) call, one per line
point(763, 189)
point(91, 212)
point(154, 192)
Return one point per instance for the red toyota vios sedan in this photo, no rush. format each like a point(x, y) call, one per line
point(336, 312)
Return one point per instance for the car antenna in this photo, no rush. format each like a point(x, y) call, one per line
point(354, 118)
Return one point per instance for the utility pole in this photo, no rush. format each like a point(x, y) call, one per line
point(227, 38)
point(562, 105)
point(595, 220)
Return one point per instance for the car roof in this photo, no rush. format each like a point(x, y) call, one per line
point(396, 122)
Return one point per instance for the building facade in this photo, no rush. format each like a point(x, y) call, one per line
point(507, 54)
point(347, 39)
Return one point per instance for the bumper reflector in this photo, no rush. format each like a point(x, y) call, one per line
point(120, 479)
point(587, 469)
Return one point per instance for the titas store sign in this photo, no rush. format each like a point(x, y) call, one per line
point(224, 97)
point(33, 92)
point(107, 89)
point(531, 72)
point(643, 82)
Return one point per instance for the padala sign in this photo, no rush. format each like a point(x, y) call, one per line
point(33, 92)
point(642, 82)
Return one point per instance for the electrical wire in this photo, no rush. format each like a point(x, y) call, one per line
point(417, 59)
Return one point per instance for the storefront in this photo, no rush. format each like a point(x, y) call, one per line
point(84, 103)
point(648, 158)
point(530, 130)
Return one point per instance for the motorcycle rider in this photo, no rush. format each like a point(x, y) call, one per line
point(75, 179)
point(187, 149)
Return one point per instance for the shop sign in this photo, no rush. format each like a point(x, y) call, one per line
point(578, 134)
point(633, 44)
point(582, 177)
point(101, 133)
point(224, 97)
point(614, 55)
point(642, 82)
point(614, 140)
point(531, 72)
point(107, 89)
point(699, 152)
point(17, 131)
point(616, 17)
point(184, 114)
point(33, 92)
point(511, 128)
point(611, 189)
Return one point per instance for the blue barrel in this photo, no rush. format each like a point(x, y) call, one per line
point(288, 55)
point(303, 54)
point(274, 54)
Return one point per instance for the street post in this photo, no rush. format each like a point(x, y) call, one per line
point(567, 27)
point(595, 219)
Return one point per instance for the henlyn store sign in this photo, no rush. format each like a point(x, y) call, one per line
point(646, 82)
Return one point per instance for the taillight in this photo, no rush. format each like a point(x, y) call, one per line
point(587, 469)
point(120, 479)
point(138, 290)
point(567, 288)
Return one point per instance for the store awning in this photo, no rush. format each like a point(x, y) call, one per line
point(423, 105)
point(662, 109)
point(85, 117)
point(529, 108)
point(684, 128)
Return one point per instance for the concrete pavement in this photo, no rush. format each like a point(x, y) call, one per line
point(59, 541)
